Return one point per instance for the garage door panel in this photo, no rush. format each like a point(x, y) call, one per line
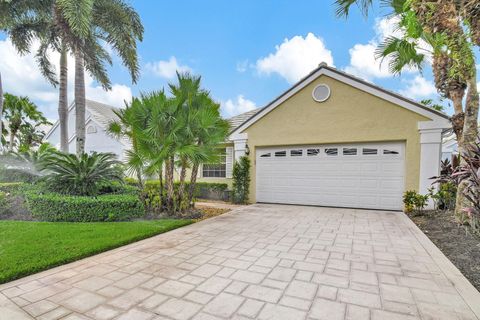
point(363, 181)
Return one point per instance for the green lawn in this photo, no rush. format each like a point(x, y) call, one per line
point(28, 247)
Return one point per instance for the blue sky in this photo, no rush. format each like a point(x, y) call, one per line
point(247, 52)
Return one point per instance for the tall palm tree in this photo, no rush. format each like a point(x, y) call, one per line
point(89, 24)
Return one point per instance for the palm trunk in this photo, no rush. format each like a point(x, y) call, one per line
point(1, 113)
point(469, 138)
point(169, 167)
point(79, 103)
point(193, 181)
point(181, 187)
point(63, 101)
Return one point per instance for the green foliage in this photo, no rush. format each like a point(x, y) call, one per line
point(17, 175)
point(241, 180)
point(4, 207)
point(30, 247)
point(81, 175)
point(445, 196)
point(152, 198)
point(414, 202)
point(59, 207)
point(11, 187)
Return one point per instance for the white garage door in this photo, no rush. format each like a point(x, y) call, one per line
point(367, 175)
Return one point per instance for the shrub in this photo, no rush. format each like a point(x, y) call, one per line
point(241, 180)
point(151, 192)
point(81, 175)
point(4, 207)
point(59, 207)
point(414, 202)
point(11, 187)
point(444, 198)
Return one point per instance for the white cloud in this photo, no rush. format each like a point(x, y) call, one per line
point(167, 68)
point(418, 88)
point(239, 105)
point(362, 56)
point(20, 76)
point(295, 57)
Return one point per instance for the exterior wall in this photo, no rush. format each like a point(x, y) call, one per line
point(348, 116)
point(98, 141)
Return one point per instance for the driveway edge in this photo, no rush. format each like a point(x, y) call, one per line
point(466, 290)
point(10, 311)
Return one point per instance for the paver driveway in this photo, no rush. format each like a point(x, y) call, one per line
point(261, 262)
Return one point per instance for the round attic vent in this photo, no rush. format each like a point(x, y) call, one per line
point(321, 93)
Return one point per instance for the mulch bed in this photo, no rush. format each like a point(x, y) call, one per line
point(457, 242)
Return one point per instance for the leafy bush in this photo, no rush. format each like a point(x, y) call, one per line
point(241, 180)
point(11, 187)
point(469, 174)
point(414, 202)
point(4, 207)
point(83, 175)
point(17, 175)
point(151, 193)
point(445, 197)
point(59, 207)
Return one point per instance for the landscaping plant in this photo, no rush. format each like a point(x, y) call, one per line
point(241, 180)
point(414, 202)
point(81, 175)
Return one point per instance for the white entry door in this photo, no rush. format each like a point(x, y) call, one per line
point(369, 175)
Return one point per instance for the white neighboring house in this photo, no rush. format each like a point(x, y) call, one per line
point(97, 118)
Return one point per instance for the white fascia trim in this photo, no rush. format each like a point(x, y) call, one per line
point(352, 82)
point(238, 136)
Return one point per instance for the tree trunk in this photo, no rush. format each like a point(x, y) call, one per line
point(169, 167)
point(63, 101)
point(193, 181)
point(79, 103)
point(181, 187)
point(470, 136)
point(1, 113)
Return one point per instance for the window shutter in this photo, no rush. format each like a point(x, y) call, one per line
point(200, 171)
point(228, 162)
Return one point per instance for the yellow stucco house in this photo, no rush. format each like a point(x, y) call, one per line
point(335, 140)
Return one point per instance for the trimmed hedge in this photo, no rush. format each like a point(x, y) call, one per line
point(11, 187)
point(59, 207)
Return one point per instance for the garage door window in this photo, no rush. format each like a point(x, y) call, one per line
point(349, 151)
point(369, 151)
point(331, 151)
point(281, 154)
point(265, 155)
point(313, 152)
point(296, 153)
point(389, 151)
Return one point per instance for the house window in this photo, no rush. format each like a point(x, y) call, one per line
point(91, 129)
point(216, 170)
